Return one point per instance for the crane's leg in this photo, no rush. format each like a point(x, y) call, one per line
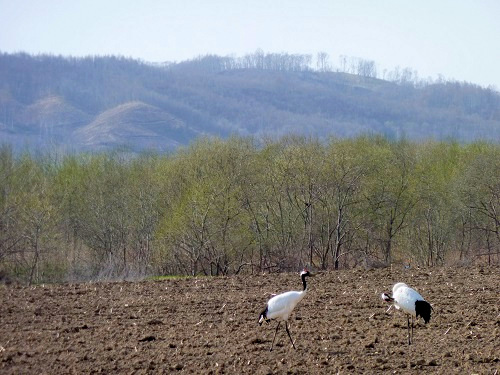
point(412, 328)
point(287, 331)
point(275, 332)
point(409, 338)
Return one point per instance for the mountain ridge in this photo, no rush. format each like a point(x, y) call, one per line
point(100, 103)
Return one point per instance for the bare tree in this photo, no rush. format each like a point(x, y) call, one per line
point(322, 63)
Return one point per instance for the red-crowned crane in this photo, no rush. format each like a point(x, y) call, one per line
point(412, 304)
point(280, 307)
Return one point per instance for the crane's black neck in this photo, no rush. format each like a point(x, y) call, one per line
point(304, 281)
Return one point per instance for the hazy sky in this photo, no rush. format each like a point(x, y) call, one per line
point(456, 38)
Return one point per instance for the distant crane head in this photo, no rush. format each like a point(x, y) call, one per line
point(387, 298)
point(305, 273)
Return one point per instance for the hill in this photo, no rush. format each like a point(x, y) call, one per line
point(98, 103)
point(135, 123)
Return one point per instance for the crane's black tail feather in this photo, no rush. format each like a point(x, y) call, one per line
point(423, 309)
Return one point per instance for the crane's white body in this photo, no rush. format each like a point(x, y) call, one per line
point(281, 306)
point(411, 303)
point(405, 298)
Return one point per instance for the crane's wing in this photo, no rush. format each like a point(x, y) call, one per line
point(283, 304)
point(405, 298)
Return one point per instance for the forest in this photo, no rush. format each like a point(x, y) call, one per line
point(242, 205)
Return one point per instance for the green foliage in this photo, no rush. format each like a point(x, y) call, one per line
point(222, 207)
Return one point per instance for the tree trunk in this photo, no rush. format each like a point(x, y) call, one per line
point(35, 260)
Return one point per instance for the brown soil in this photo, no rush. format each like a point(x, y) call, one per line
point(209, 325)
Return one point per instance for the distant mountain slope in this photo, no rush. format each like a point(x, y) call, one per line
point(136, 124)
point(101, 103)
point(52, 111)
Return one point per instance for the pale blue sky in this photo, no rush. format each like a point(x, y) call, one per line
point(455, 38)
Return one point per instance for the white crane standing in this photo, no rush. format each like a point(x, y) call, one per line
point(411, 302)
point(280, 307)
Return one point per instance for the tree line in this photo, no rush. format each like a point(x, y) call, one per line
point(319, 62)
point(222, 207)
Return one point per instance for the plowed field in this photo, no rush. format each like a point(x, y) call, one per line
point(209, 325)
